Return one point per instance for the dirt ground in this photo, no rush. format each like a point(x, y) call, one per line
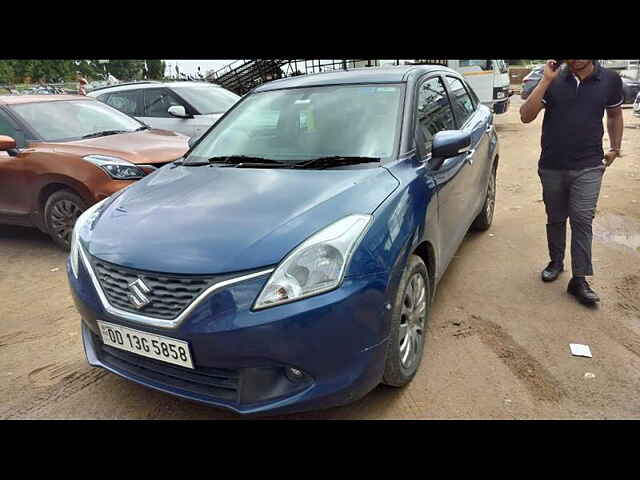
point(497, 345)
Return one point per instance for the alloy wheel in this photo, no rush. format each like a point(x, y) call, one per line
point(491, 196)
point(414, 307)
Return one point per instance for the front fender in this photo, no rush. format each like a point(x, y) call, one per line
point(404, 221)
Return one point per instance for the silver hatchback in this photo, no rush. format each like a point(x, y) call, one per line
point(189, 108)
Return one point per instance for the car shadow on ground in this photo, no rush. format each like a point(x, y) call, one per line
point(27, 236)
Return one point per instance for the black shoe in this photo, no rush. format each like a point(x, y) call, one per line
point(552, 271)
point(579, 288)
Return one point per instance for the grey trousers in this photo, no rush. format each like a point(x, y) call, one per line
point(571, 194)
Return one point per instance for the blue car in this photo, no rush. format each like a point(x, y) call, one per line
point(288, 262)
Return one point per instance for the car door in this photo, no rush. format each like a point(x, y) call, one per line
point(13, 198)
point(475, 119)
point(434, 113)
point(127, 101)
point(155, 112)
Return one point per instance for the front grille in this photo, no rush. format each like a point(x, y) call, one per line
point(215, 383)
point(169, 295)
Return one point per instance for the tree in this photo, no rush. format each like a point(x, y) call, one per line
point(6, 72)
point(89, 69)
point(126, 69)
point(52, 70)
point(20, 71)
point(155, 69)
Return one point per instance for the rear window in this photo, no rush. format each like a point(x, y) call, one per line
point(207, 99)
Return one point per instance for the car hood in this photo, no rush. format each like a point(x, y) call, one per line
point(144, 147)
point(209, 220)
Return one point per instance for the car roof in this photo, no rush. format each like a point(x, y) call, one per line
point(144, 85)
point(391, 74)
point(18, 99)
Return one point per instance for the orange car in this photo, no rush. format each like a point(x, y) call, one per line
point(60, 154)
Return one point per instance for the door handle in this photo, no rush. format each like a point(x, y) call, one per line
point(469, 156)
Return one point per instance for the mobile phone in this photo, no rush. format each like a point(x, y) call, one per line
point(558, 63)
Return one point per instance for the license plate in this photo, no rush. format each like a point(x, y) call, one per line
point(146, 344)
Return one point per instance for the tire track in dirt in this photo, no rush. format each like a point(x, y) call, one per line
point(17, 337)
point(56, 382)
point(537, 379)
point(629, 291)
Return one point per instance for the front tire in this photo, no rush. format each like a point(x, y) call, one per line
point(408, 324)
point(60, 214)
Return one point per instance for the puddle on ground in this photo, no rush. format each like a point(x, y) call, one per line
point(617, 229)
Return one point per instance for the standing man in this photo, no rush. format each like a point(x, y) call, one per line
point(572, 161)
point(82, 84)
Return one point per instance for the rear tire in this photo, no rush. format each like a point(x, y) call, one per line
point(61, 211)
point(408, 324)
point(484, 219)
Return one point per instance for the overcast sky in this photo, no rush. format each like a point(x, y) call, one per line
point(191, 66)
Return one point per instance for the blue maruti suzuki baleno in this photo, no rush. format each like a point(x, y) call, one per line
point(289, 261)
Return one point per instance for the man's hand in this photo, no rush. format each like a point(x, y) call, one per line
point(549, 73)
point(609, 157)
point(531, 107)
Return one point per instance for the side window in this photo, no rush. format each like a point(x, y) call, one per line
point(7, 127)
point(474, 96)
point(483, 64)
point(434, 110)
point(157, 101)
point(462, 104)
point(126, 102)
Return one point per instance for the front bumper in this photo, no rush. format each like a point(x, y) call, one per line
point(501, 106)
point(338, 339)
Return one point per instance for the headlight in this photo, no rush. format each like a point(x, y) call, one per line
point(83, 220)
point(317, 265)
point(117, 168)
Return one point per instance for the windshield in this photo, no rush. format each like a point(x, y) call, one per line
point(502, 66)
point(207, 98)
point(306, 123)
point(483, 64)
point(73, 119)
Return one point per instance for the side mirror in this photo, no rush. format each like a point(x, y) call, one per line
point(8, 144)
point(178, 111)
point(447, 144)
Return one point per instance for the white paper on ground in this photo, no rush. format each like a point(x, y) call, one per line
point(580, 350)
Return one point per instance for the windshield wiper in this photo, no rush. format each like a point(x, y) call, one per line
point(247, 161)
point(144, 127)
point(104, 133)
point(335, 161)
point(238, 161)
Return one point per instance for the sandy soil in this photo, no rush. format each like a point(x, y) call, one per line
point(497, 345)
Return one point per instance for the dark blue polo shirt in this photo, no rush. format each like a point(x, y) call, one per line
point(572, 129)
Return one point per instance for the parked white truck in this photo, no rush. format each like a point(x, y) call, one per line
point(488, 78)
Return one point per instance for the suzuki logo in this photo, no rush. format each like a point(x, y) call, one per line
point(137, 297)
